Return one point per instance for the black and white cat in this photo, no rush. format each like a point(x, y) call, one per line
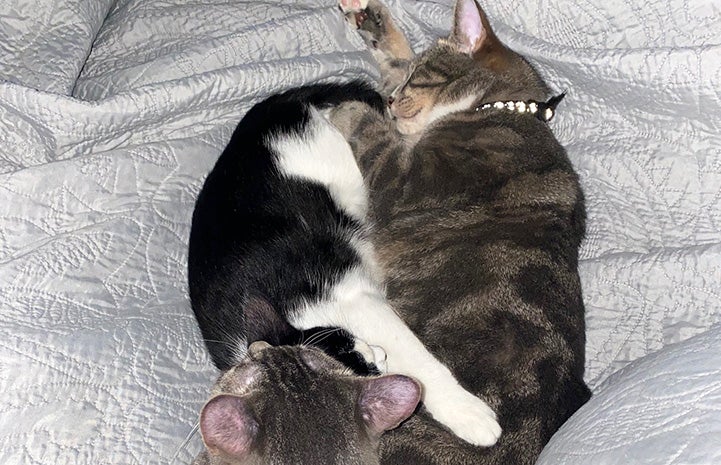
point(280, 251)
point(252, 248)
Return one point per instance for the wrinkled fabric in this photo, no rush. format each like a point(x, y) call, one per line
point(44, 43)
point(100, 358)
point(663, 408)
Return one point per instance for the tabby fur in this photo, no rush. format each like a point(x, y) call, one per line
point(479, 217)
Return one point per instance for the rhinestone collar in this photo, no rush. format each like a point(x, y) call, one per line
point(541, 110)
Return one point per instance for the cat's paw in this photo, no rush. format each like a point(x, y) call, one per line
point(347, 6)
point(467, 416)
point(373, 355)
point(354, 11)
point(381, 359)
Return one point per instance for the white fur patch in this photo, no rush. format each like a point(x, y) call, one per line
point(440, 111)
point(367, 253)
point(371, 354)
point(357, 305)
point(323, 155)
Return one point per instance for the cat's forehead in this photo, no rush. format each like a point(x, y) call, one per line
point(293, 367)
point(296, 361)
point(239, 379)
point(440, 50)
point(442, 58)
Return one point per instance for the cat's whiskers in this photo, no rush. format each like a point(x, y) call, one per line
point(315, 337)
point(190, 435)
point(319, 336)
point(239, 348)
point(214, 341)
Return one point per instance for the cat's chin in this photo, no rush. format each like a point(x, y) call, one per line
point(410, 126)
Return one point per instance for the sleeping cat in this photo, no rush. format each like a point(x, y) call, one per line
point(279, 252)
point(479, 216)
point(296, 405)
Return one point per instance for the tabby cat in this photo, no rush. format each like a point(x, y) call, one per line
point(479, 217)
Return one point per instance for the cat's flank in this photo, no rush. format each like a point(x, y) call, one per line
point(479, 216)
point(280, 251)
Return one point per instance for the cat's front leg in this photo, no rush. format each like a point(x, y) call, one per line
point(465, 415)
point(369, 318)
point(389, 45)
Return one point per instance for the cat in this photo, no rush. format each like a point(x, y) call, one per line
point(297, 405)
point(479, 216)
point(279, 252)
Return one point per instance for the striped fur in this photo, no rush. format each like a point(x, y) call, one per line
point(479, 219)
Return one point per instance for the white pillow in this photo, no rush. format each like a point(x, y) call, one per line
point(662, 409)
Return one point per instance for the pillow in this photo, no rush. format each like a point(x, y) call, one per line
point(663, 408)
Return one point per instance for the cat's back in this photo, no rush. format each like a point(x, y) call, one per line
point(498, 185)
point(284, 166)
point(483, 239)
point(278, 207)
point(470, 157)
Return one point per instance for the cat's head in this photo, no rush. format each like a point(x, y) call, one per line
point(294, 405)
point(470, 67)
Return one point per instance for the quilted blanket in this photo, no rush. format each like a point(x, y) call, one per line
point(113, 112)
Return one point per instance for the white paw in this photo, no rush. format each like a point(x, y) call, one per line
point(350, 6)
point(381, 359)
point(372, 354)
point(365, 350)
point(326, 113)
point(467, 416)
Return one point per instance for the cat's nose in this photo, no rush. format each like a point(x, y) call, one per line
point(391, 100)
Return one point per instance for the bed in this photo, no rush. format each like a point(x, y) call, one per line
point(113, 111)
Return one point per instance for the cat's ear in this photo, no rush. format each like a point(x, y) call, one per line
point(470, 27)
point(472, 35)
point(263, 323)
point(228, 426)
point(386, 401)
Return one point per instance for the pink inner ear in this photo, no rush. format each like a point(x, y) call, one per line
point(227, 426)
point(385, 402)
point(468, 28)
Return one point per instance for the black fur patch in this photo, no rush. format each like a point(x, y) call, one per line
point(261, 240)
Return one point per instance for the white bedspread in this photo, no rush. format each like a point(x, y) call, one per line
point(100, 359)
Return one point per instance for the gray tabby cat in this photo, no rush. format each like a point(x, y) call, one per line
point(295, 405)
point(479, 216)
